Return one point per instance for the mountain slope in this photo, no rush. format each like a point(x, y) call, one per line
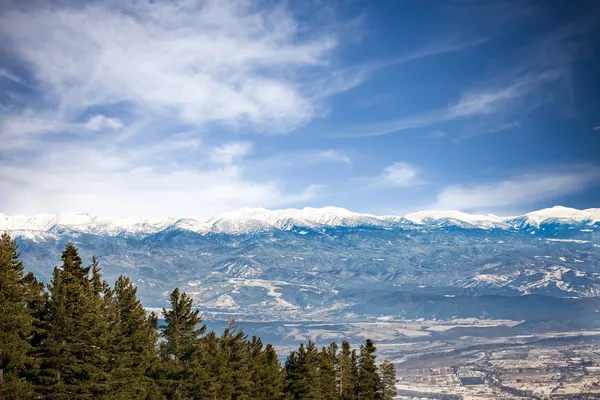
point(331, 263)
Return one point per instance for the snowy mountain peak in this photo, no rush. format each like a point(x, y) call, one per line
point(473, 219)
point(564, 214)
point(248, 220)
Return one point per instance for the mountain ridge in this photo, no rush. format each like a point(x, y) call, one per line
point(334, 264)
point(248, 220)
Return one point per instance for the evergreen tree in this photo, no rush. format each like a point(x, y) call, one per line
point(347, 370)
point(134, 339)
point(327, 372)
point(16, 323)
point(204, 369)
point(180, 330)
point(369, 384)
point(180, 350)
point(96, 280)
point(236, 379)
point(354, 358)
point(75, 362)
point(267, 375)
point(388, 379)
point(38, 304)
point(301, 367)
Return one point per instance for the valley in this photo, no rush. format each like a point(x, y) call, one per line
point(462, 359)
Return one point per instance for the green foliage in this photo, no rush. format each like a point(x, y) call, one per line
point(81, 339)
point(348, 372)
point(16, 323)
point(267, 375)
point(369, 382)
point(180, 330)
point(75, 351)
point(327, 374)
point(237, 352)
point(301, 367)
point(388, 379)
point(134, 344)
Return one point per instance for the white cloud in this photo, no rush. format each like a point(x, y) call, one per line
point(333, 155)
point(109, 182)
point(523, 190)
point(197, 61)
point(230, 155)
point(488, 101)
point(163, 74)
point(20, 131)
point(17, 131)
point(100, 122)
point(399, 174)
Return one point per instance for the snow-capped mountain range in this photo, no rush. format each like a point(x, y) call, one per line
point(333, 264)
point(249, 220)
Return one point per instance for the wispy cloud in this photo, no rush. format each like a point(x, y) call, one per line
point(472, 104)
point(4, 73)
point(111, 182)
point(116, 84)
point(18, 130)
point(230, 152)
point(214, 61)
point(299, 161)
point(526, 189)
point(486, 128)
point(398, 174)
point(229, 156)
point(511, 95)
point(100, 122)
point(333, 155)
point(438, 48)
point(488, 101)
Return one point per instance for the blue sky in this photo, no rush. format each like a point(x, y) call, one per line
point(201, 107)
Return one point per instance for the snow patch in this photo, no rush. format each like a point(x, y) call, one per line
point(223, 301)
point(568, 240)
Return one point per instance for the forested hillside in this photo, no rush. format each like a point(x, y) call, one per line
point(80, 338)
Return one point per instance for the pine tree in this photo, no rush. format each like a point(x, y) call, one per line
point(180, 329)
point(354, 358)
point(97, 285)
point(16, 323)
point(347, 371)
point(236, 381)
point(180, 350)
point(267, 375)
point(134, 340)
point(38, 304)
point(327, 372)
point(301, 367)
point(388, 379)
point(369, 384)
point(75, 362)
point(204, 369)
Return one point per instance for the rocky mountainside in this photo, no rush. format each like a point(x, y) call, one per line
point(334, 264)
